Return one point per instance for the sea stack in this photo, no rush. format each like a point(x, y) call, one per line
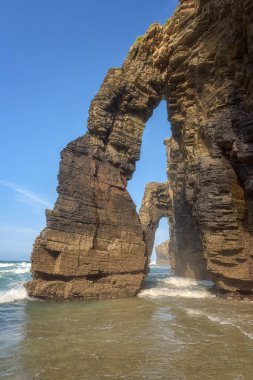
point(164, 256)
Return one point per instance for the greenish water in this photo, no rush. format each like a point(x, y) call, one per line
point(174, 330)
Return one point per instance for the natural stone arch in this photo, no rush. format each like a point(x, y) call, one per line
point(156, 204)
point(93, 245)
point(201, 63)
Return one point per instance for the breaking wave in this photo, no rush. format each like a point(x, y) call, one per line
point(174, 292)
point(173, 286)
point(13, 275)
point(181, 282)
point(22, 270)
point(6, 265)
point(15, 268)
point(14, 294)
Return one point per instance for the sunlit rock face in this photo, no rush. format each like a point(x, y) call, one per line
point(156, 204)
point(94, 245)
point(164, 256)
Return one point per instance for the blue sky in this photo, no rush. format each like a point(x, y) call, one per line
point(54, 56)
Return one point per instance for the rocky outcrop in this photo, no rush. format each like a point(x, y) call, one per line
point(155, 205)
point(164, 255)
point(211, 111)
point(185, 233)
point(94, 245)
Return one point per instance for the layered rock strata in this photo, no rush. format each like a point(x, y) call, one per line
point(156, 204)
point(185, 233)
point(164, 255)
point(94, 246)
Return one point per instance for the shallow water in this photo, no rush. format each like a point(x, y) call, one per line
point(175, 329)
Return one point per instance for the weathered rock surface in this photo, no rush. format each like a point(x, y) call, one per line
point(185, 233)
point(164, 255)
point(94, 245)
point(155, 205)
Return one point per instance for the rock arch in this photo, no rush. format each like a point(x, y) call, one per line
point(200, 61)
point(156, 204)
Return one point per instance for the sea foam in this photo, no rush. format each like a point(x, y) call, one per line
point(6, 265)
point(13, 276)
point(14, 294)
point(174, 292)
point(181, 282)
point(179, 287)
point(20, 268)
point(220, 320)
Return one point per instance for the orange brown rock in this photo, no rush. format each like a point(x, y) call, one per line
point(164, 255)
point(94, 246)
point(156, 204)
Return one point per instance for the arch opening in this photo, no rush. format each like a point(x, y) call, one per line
point(161, 255)
point(152, 166)
point(149, 187)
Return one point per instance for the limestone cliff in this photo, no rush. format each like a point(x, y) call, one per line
point(94, 246)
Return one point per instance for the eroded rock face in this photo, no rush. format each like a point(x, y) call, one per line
point(155, 205)
point(165, 256)
point(210, 160)
point(185, 233)
point(94, 245)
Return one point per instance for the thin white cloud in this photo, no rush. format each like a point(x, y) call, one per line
point(26, 195)
point(16, 229)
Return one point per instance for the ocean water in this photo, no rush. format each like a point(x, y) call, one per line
point(176, 329)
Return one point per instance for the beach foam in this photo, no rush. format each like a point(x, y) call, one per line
point(181, 282)
point(174, 292)
point(16, 271)
point(220, 320)
point(19, 268)
point(13, 275)
point(15, 294)
point(212, 318)
point(22, 270)
point(6, 265)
